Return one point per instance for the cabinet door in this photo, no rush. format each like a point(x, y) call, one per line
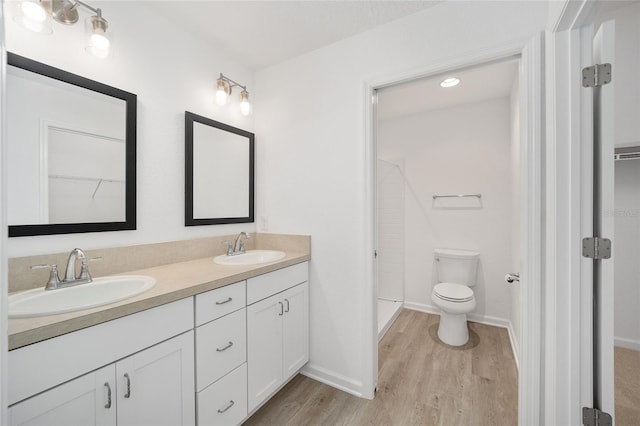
point(295, 328)
point(87, 400)
point(264, 348)
point(156, 386)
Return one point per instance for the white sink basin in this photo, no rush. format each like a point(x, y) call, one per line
point(101, 291)
point(251, 257)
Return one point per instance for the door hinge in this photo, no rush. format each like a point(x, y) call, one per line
point(596, 75)
point(595, 417)
point(596, 248)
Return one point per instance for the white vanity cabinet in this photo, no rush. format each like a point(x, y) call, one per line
point(277, 330)
point(211, 359)
point(221, 355)
point(137, 367)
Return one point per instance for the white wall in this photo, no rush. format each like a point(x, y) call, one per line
point(171, 72)
point(460, 150)
point(627, 176)
point(627, 69)
point(627, 249)
point(311, 162)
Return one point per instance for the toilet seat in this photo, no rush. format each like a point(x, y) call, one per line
point(452, 292)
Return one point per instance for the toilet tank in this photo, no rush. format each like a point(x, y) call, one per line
point(457, 266)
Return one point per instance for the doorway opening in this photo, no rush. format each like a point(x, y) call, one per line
point(432, 141)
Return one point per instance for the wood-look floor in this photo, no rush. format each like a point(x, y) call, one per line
point(627, 382)
point(421, 382)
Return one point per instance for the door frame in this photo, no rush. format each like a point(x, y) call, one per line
point(4, 292)
point(568, 375)
point(532, 139)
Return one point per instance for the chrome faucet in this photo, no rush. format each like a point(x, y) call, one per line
point(70, 274)
point(70, 278)
point(238, 246)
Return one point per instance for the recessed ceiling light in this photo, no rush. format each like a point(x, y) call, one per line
point(450, 82)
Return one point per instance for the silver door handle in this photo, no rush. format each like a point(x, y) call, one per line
point(224, 410)
point(128, 393)
point(287, 308)
point(281, 309)
point(224, 348)
point(108, 404)
point(511, 277)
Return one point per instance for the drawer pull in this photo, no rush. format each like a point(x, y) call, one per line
point(287, 308)
point(224, 301)
point(225, 347)
point(229, 405)
point(108, 404)
point(128, 393)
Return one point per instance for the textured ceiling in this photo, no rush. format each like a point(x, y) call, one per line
point(258, 34)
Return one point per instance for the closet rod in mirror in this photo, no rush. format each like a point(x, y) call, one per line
point(435, 196)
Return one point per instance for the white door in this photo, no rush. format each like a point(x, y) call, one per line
point(603, 53)
point(156, 386)
point(264, 348)
point(88, 400)
point(295, 328)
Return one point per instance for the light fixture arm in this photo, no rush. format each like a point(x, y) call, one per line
point(232, 83)
point(97, 11)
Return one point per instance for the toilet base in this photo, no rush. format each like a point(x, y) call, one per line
point(453, 329)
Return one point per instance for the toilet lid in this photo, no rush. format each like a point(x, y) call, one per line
point(453, 292)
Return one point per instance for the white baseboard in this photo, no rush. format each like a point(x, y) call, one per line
point(482, 319)
point(333, 379)
point(514, 345)
point(627, 343)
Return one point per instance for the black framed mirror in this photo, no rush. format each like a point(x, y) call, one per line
point(71, 150)
point(219, 163)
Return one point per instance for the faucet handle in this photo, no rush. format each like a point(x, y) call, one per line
point(84, 269)
point(229, 247)
point(54, 280)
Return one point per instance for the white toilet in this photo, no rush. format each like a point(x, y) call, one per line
point(453, 295)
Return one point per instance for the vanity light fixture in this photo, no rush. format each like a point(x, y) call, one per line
point(450, 82)
point(223, 91)
point(36, 16)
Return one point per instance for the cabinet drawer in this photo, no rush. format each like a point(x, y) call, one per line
point(221, 346)
point(224, 402)
point(219, 302)
point(274, 282)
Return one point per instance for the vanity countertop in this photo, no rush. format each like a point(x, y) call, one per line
point(173, 282)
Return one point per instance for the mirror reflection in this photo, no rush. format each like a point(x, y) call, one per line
point(72, 152)
point(219, 172)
